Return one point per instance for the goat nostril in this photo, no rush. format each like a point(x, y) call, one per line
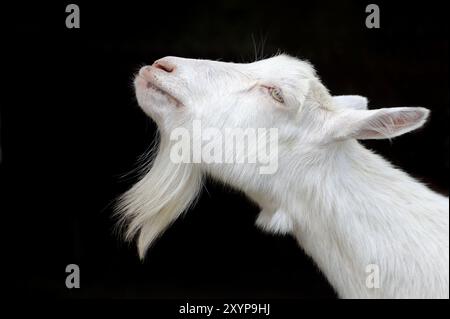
point(165, 66)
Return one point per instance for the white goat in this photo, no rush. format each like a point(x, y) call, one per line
point(347, 207)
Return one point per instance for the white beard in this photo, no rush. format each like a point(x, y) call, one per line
point(165, 191)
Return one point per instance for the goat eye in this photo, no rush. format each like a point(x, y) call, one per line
point(276, 94)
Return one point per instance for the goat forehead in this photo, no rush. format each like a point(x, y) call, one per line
point(278, 64)
point(282, 70)
point(284, 64)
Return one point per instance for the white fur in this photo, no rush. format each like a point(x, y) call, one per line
point(356, 102)
point(347, 207)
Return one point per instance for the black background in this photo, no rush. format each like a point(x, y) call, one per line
point(70, 128)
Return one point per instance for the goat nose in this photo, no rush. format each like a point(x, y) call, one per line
point(164, 65)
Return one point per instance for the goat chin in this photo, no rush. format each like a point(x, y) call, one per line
point(164, 192)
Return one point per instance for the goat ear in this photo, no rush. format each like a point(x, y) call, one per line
point(356, 102)
point(381, 123)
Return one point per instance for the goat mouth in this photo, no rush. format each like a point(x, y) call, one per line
point(159, 90)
